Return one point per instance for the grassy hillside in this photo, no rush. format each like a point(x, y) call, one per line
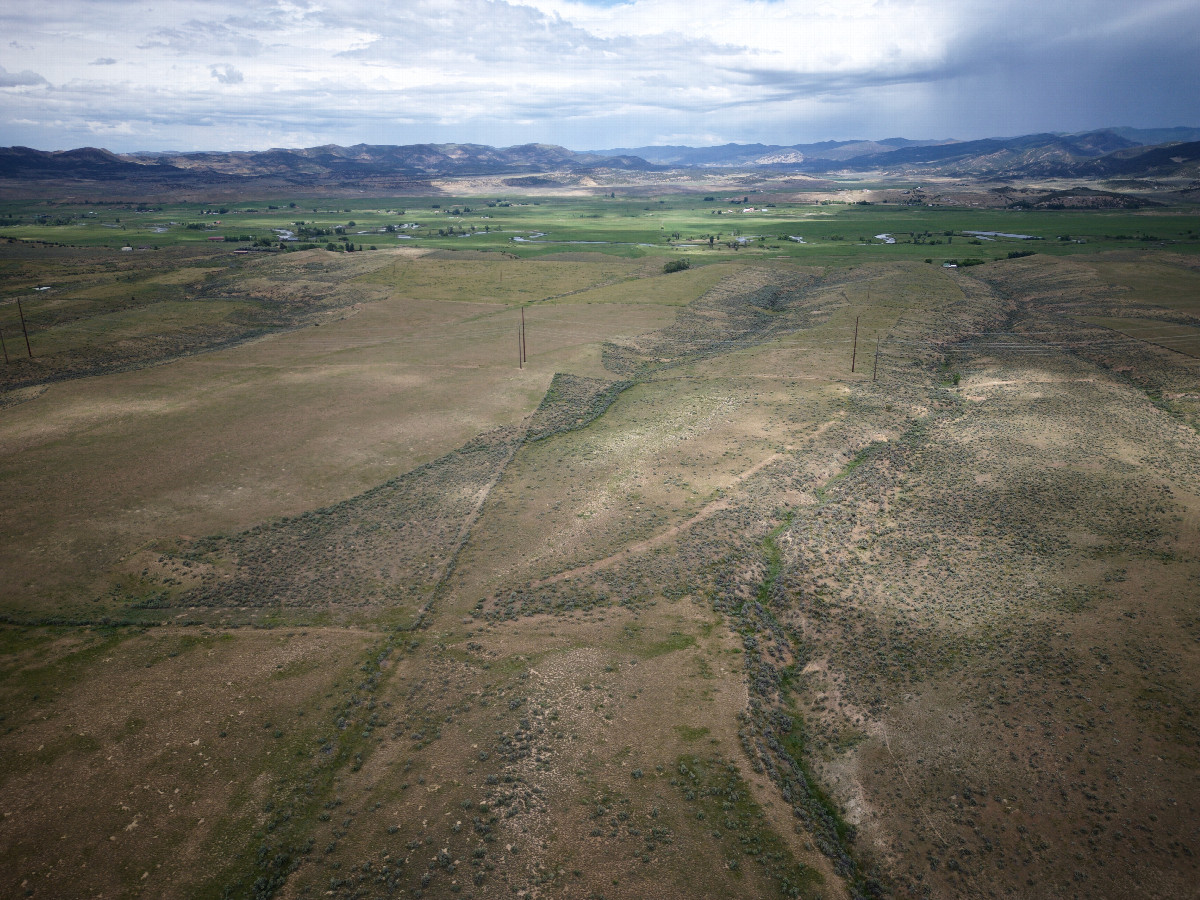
point(313, 588)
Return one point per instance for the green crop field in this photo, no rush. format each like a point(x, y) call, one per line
point(831, 231)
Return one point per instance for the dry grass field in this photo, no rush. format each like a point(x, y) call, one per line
point(353, 606)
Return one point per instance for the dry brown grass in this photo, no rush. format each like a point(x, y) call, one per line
point(672, 650)
point(95, 468)
point(141, 764)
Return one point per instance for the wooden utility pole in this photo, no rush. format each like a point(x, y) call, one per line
point(524, 357)
point(876, 371)
point(854, 352)
point(4, 345)
point(28, 349)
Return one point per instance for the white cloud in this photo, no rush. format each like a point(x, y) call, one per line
point(212, 38)
point(595, 75)
point(111, 128)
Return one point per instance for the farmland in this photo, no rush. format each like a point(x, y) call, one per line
point(619, 225)
point(812, 570)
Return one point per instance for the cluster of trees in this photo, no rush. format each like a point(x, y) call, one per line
point(450, 231)
point(312, 231)
point(928, 238)
point(347, 247)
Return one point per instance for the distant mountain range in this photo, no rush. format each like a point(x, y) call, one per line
point(755, 155)
point(417, 160)
point(1108, 153)
point(327, 163)
point(1033, 155)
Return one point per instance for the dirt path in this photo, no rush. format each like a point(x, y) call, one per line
point(469, 523)
point(665, 535)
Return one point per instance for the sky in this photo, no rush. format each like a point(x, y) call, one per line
point(586, 74)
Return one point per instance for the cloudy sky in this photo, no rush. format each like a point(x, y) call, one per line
point(588, 74)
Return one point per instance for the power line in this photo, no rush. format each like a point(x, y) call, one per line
point(21, 310)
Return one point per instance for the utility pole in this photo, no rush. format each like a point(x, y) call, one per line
point(4, 345)
point(520, 357)
point(876, 371)
point(854, 353)
point(524, 357)
point(28, 349)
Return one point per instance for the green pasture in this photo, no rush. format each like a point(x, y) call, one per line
point(627, 227)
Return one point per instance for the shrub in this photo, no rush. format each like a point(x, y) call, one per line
point(677, 265)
